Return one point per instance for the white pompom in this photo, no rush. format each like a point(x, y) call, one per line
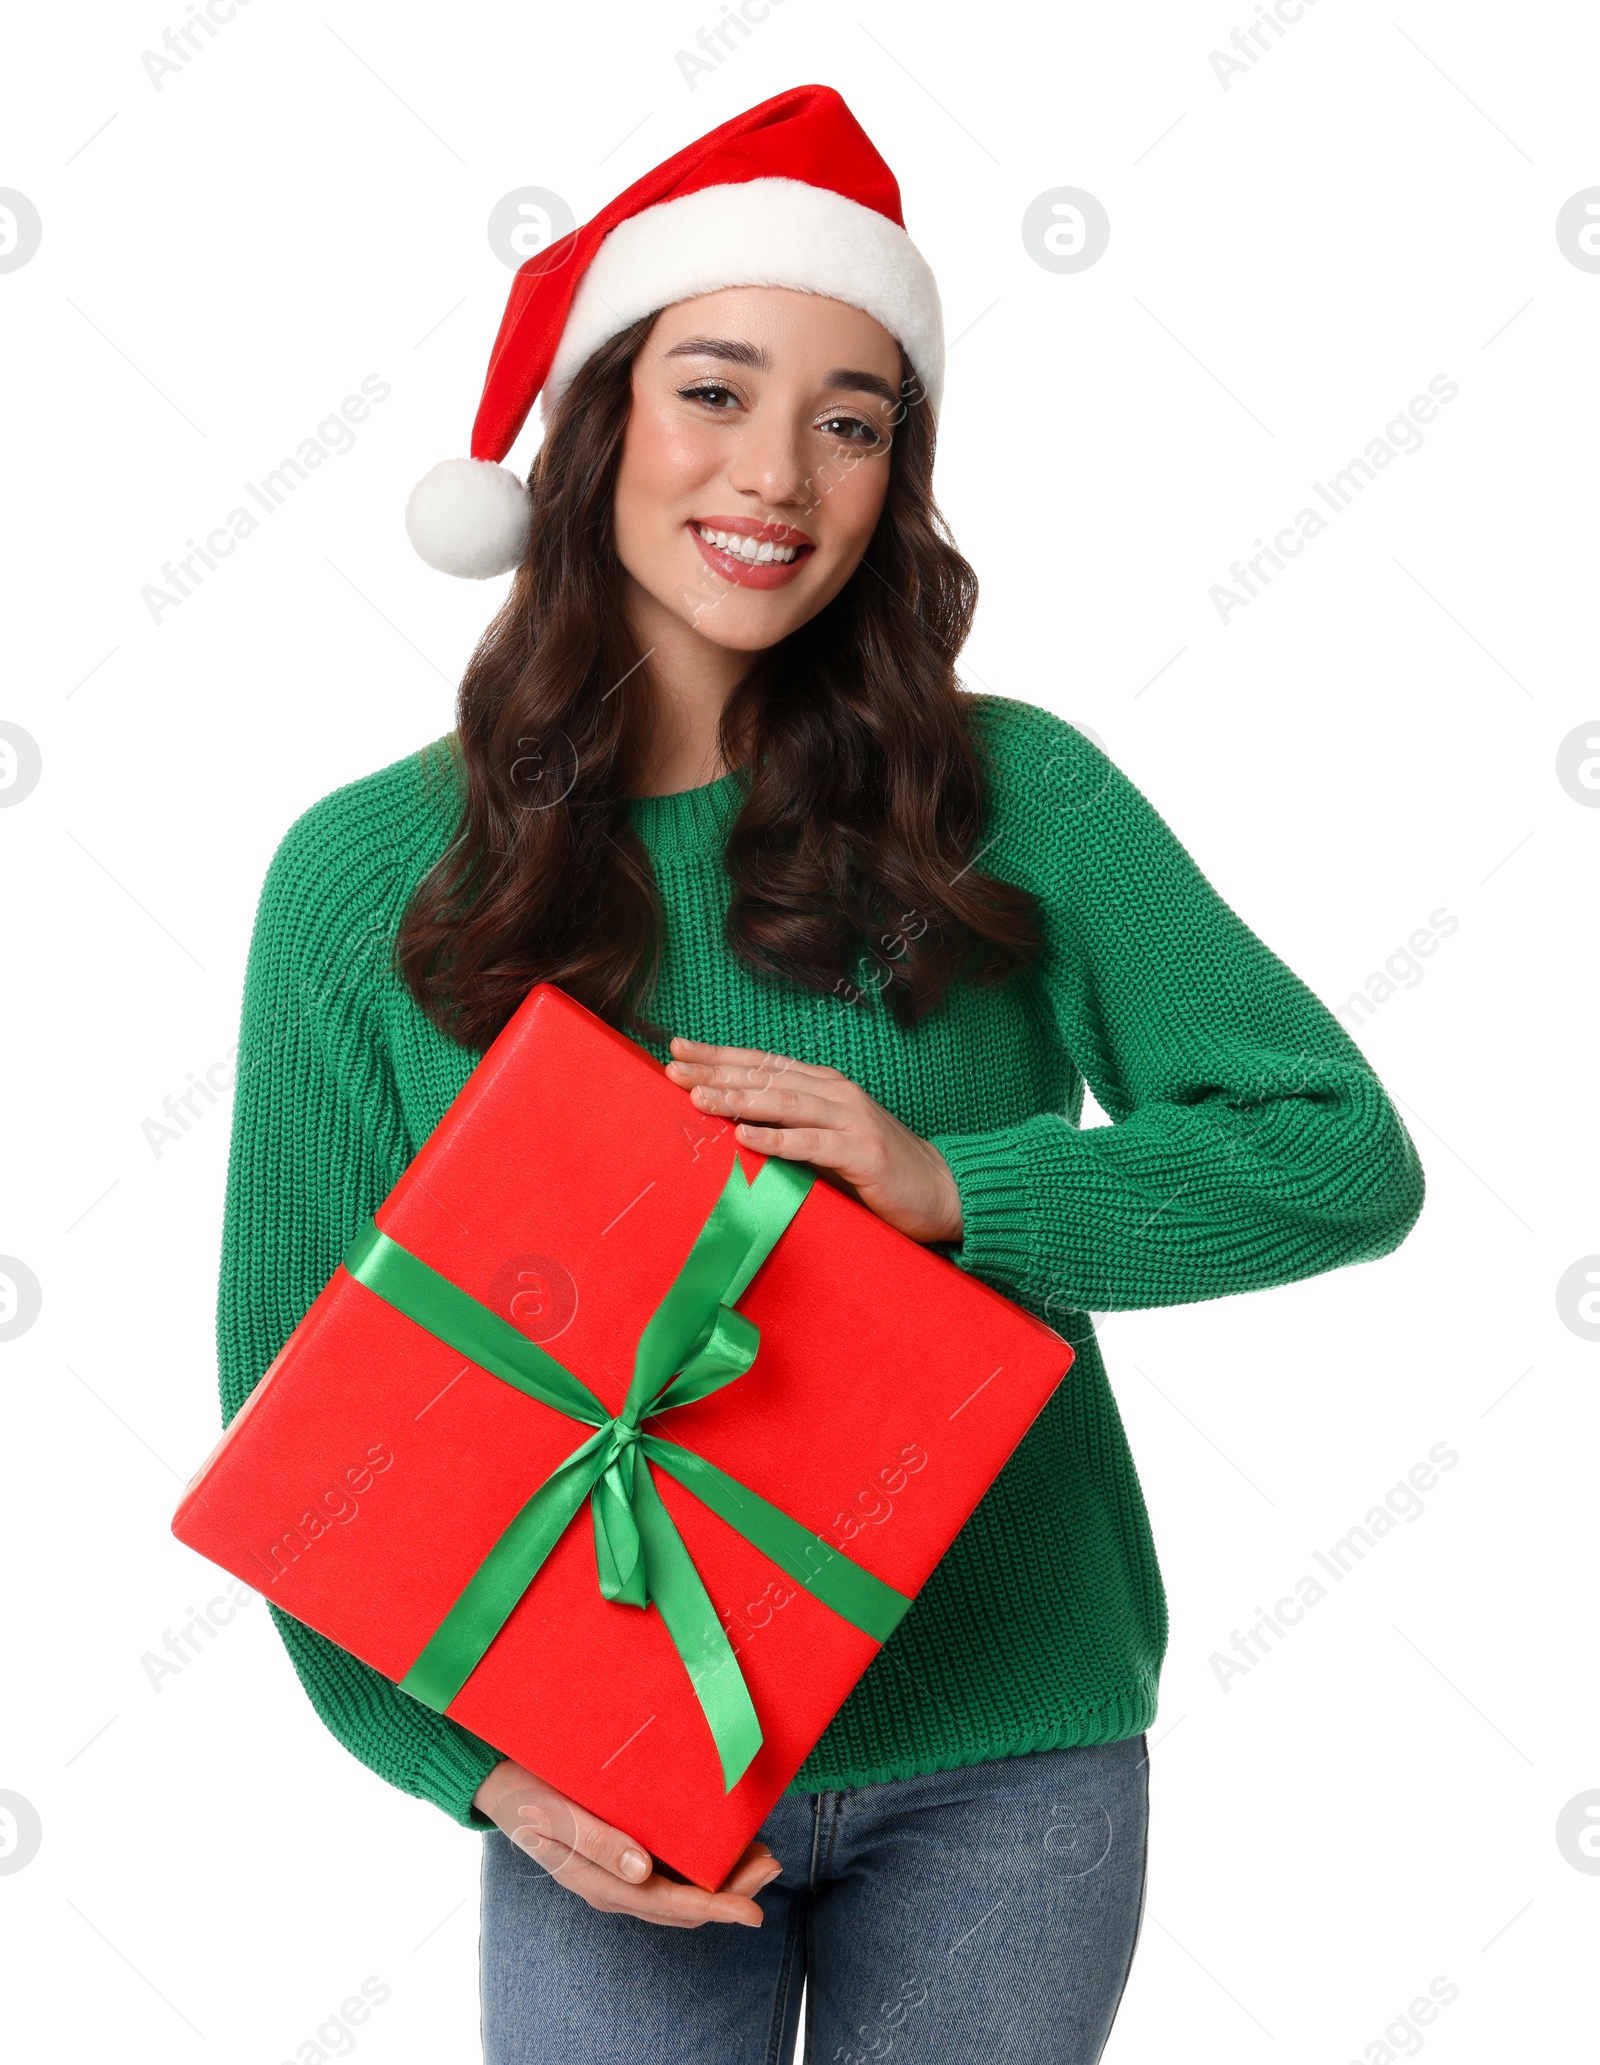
point(469, 517)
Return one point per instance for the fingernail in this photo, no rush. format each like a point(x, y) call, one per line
point(752, 1921)
point(635, 1865)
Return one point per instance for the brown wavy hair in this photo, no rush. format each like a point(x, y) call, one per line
point(865, 799)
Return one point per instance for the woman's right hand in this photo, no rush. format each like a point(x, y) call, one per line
point(607, 1868)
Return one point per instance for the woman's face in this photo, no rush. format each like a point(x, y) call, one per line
point(755, 460)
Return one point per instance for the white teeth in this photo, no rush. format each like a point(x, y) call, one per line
point(747, 549)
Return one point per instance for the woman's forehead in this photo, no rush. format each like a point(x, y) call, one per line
point(766, 324)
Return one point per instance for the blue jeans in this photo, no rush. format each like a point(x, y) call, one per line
point(984, 1913)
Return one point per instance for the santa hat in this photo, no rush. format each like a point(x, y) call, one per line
point(790, 194)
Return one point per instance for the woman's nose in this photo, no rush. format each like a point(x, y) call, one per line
point(769, 462)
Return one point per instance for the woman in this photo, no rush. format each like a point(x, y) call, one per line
point(713, 775)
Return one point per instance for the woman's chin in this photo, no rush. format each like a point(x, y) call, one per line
point(757, 641)
point(748, 620)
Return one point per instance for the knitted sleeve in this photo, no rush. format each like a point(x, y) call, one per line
point(1250, 1143)
point(317, 1144)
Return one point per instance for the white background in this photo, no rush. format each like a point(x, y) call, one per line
point(1292, 257)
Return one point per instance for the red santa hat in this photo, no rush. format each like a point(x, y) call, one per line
point(790, 194)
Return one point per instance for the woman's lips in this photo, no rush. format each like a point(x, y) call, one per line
point(752, 573)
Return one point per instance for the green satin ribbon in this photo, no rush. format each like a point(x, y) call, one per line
point(693, 1344)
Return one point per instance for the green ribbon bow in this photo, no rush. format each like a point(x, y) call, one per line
point(693, 1344)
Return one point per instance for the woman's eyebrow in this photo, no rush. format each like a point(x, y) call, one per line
point(736, 352)
point(863, 383)
point(732, 350)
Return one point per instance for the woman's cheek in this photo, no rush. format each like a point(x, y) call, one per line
point(663, 465)
point(685, 454)
point(859, 501)
point(851, 508)
point(666, 454)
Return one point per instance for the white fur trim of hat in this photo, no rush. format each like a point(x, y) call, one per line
point(761, 233)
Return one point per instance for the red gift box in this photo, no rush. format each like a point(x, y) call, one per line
point(373, 1469)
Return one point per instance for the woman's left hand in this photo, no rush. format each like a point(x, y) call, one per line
point(806, 1113)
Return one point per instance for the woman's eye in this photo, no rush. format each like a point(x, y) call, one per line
point(851, 430)
point(712, 392)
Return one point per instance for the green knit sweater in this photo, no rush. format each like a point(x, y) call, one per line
point(1249, 1145)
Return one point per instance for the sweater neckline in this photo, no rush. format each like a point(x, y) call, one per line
point(690, 821)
